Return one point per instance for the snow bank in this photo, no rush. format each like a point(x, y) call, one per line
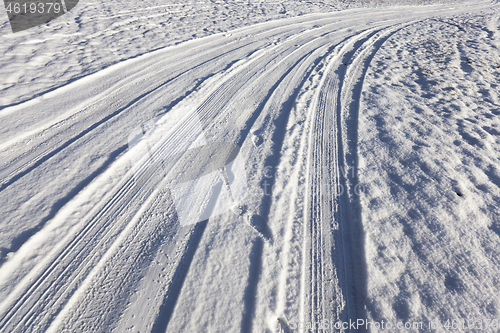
point(429, 149)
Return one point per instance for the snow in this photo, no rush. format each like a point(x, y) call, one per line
point(431, 147)
point(251, 166)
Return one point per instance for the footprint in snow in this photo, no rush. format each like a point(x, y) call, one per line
point(256, 139)
point(260, 225)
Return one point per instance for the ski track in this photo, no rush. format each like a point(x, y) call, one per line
point(273, 62)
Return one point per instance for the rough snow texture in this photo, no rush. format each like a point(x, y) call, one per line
point(429, 150)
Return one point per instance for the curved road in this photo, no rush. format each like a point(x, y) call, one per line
point(103, 251)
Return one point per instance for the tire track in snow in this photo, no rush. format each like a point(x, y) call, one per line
point(37, 161)
point(257, 41)
point(322, 126)
point(124, 194)
point(174, 289)
point(335, 231)
point(48, 289)
point(323, 186)
point(274, 99)
point(271, 91)
point(318, 247)
point(72, 250)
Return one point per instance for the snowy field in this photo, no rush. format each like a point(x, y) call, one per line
point(252, 166)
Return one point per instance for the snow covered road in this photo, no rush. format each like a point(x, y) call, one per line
point(87, 246)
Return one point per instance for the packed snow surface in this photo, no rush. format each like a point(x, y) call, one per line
point(252, 166)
